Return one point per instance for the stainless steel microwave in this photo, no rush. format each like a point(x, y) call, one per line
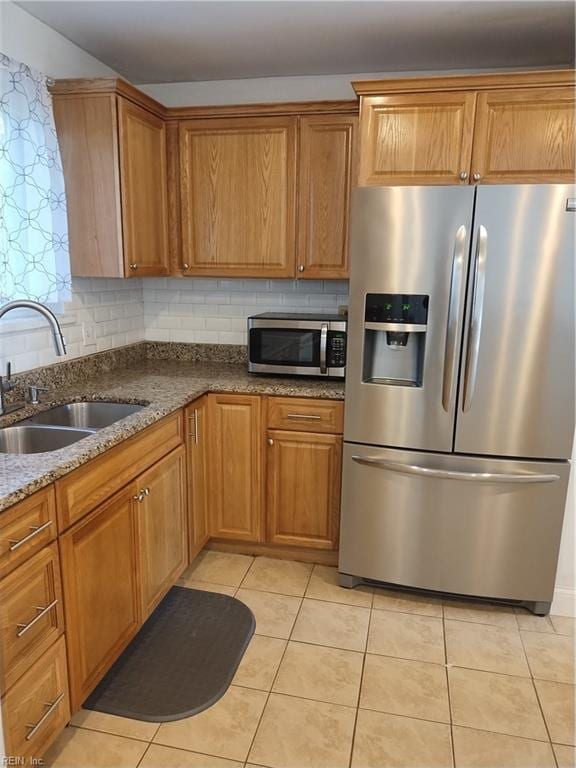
point(297, 344)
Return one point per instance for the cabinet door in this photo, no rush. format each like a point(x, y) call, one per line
point(162, 530)
point(98, 558)
point(418, 138)
point(525, 135)
point(238, 196)
point(144, 191)
point(235, 459)
point(326, 170)
point(197, 454)
point(304, 473)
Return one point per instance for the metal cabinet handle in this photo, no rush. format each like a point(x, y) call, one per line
point(185, 266)
point(463, 175)
point(139, 496)
point(302, 416)
point(476, 317)
point(323, 347)
point(36, 529)
point(51, 708)
point(450, 350)
point(270, 441)
point(193, 421)
point(450, 474)
point(133, 266)
point(23, 628)
point(301, 268)
point(476, 176)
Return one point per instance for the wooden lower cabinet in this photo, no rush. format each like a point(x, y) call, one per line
point(303, 488)
point(197, 454)
point(235, 467)
point(99, 561)
point(162, 528)
point(37, 707)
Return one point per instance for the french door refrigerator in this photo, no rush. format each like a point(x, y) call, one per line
point(459, 412)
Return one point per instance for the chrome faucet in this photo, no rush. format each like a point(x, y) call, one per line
point(57, 337)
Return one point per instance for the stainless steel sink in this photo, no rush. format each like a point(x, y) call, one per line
point(92, 415)
point(28, 438)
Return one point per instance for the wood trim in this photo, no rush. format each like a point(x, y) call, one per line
point(112, 85)
point(175, 260)
point(282, 552)
point(266, 109)
point(537, 78)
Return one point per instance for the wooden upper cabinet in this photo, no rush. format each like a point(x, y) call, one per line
point(235, 466)
point(115, 172)
point(525, 135)
point(326, 171)
point(238, 196)
point(416, 138)
point(144, 188)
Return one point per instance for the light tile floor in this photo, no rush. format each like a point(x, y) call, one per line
point(364, 678)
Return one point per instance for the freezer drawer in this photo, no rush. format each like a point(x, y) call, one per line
point(460, 524)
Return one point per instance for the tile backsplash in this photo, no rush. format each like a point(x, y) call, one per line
point(214, 311)
point(108, 313)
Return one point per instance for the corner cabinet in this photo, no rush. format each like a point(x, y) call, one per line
point(238, 185)
point(115, 170)
point(480, 129)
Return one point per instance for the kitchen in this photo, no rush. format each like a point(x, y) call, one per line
point(225, 231)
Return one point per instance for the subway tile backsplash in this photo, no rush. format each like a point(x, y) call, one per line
point(215, 311)
point(199, 310)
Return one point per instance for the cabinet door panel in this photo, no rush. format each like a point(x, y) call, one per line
point(419, 138)
point(197, 448)
point(144, 191)
point(238, 196)
point(525, 135)
point(326, 173)
point(304, 474)
point(100, 592)
point(162, 531)
point(235, 500)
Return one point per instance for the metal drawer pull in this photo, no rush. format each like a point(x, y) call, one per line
point(51, 708)
point(23, 628)
point(450, 474)
point(302, 416)
point(36, 529)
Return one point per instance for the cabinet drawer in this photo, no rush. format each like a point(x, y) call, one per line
point(90, 485)
point(37, 708)
point(31, 615)
point(26, 528)
point(305, 414)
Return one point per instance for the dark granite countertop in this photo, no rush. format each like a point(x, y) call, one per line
point(164, 385)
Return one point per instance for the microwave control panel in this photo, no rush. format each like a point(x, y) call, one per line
point(336, 351)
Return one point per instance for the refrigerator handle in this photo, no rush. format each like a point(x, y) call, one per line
point(450, 474)
point(453, 316)
point(476, 317)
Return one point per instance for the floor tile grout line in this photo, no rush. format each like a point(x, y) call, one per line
point(353, 742)
point(541, 708)
point(452, 748)
point(144, 754)
point(112, 733)
point(509, 735)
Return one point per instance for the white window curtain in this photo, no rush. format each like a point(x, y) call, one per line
point(34, 260)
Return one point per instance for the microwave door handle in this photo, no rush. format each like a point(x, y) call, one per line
point(453, 316)
point(323, 347)
point(475, 318)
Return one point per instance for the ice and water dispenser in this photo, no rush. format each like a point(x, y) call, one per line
point(395, 327)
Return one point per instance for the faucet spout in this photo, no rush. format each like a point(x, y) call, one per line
point(57, 336)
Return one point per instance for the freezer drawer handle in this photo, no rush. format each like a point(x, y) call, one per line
point(453, 316)
point(449, 474)
point(476, 318)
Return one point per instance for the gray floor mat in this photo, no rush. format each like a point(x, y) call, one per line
point(182, 660)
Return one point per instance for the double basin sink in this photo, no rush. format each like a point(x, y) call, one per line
point(62, 425)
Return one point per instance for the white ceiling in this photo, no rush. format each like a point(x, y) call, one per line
point(159, 41)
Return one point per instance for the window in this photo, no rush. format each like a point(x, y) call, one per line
point(34, 260)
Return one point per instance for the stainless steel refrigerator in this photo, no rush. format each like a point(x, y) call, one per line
point(459, 413)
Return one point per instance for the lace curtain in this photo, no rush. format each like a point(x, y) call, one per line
point(34, 260)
